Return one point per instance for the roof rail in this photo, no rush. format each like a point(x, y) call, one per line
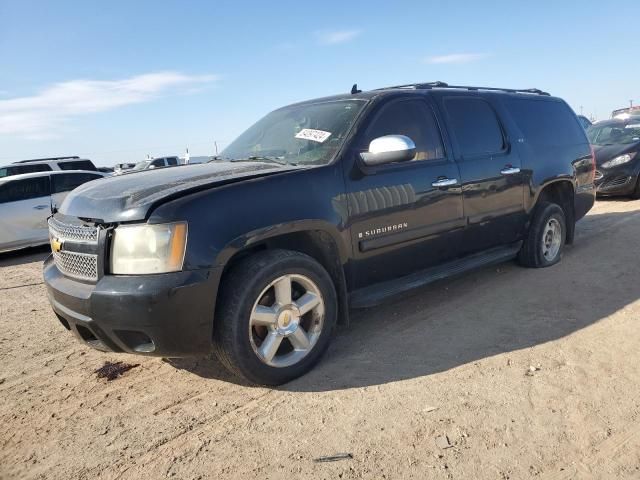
point(430, 85)
point(75, 157)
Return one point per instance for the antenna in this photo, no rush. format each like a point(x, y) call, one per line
point(354, 89)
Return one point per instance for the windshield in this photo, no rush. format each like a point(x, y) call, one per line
point(301, 134)
point(617, 133)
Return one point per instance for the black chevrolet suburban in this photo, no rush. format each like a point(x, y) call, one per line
point(322, 206)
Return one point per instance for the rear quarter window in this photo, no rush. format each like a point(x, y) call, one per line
point(77, 165)
point(546, 123)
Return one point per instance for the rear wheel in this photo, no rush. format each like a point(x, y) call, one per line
point(546, 237)
point(276, 316)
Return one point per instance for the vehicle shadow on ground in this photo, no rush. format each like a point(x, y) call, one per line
point(488, 312)
point(21, 257)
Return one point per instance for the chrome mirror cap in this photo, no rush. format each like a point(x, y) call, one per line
point(389, 149)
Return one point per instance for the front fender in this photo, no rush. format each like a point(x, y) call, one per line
point(249, 239)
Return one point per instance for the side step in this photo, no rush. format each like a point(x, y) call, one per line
point(376, 294)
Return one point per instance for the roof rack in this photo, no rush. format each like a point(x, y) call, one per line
point(430, 85)
point(75, 157)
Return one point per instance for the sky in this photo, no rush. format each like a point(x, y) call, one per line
point(114, 81)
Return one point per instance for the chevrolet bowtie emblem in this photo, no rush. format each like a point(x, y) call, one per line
point(56, 245)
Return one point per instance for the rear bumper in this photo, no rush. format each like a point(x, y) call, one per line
point(163, 315)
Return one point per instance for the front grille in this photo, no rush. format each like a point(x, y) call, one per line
point(79, 265)
point(615, 182)
point(77, 233)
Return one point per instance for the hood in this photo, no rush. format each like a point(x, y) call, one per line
point(132, 196)
point(604, 153)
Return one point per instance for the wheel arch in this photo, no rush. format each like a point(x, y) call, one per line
point(315, 239)
point(561, 192)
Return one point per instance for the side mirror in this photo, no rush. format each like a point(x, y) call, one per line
point(151, 167)
point(389, 149)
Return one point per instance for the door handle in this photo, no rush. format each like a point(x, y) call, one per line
point(41, 207)
point(445, 182)
point(510, 170)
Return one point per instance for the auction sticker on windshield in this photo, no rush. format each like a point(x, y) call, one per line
point(313, 135)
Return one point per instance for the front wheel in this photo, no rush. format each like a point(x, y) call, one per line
point(546, 237)
point(276, 315)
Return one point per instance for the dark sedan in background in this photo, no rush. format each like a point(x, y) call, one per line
point(616, 144)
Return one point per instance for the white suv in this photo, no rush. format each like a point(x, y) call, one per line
point(46, 165)
point(26, 201)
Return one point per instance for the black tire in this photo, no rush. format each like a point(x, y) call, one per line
point(635, 195)
point(240, 290)
point(532, 253)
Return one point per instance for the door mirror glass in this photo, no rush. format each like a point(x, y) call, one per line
point(389, 149)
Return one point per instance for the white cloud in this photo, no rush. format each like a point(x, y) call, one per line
point(40, 115)
point(456, 58)
point(334, 37)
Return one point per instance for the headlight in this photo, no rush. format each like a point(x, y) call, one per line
point(619, 160)
point(143, 249)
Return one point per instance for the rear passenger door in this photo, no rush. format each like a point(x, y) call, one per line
point(490, 170)
point(25, 206)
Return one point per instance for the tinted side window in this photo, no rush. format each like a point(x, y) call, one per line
point(24, 189)
point(158, 163)
point(172, 161)
point(16, 170)
point(475, 126)
point(65, 182)
point(412, 118)
point(546, 123)
point(77, 165)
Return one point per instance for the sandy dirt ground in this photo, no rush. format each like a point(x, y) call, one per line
point(505, 373)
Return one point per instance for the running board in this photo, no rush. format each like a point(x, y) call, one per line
point(376, 294)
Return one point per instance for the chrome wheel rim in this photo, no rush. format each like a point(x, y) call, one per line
point(286, 320)
point(551, 239)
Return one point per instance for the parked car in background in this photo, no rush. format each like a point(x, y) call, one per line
point(196, 159)
point(338, 202)
point(584, 121)
point(153, 163)
point(26, 200)
point(624, 113)
point(616, 144)
point(46, 165)
point(119, 168)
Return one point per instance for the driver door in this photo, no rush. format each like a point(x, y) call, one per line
point(405, 216)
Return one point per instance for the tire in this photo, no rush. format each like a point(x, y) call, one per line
point(635, 195)
point(262, 337)
point(545, 240)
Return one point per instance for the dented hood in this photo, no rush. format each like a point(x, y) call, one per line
point(132, 196)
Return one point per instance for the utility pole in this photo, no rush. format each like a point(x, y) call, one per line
point(580, 109)
point(630, 104)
